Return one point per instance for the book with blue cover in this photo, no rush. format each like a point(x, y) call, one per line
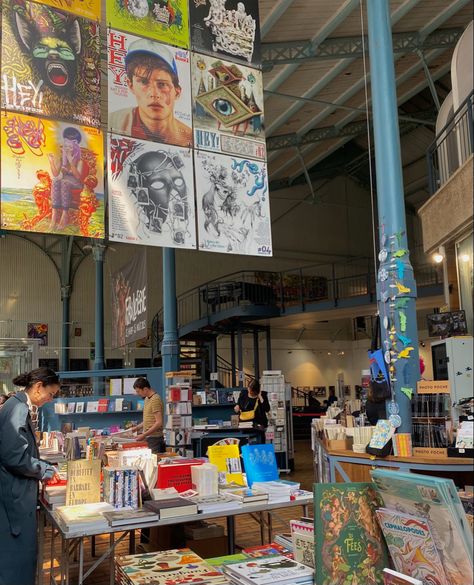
point(260, 463)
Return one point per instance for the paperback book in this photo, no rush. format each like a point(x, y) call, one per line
point(302, 536)
point(130, 516)
point(269, 571)
point(395, 578)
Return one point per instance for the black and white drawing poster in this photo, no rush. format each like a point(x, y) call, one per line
point(233, 205)
point(229, 28)
point(227, 107)
point(151, 193)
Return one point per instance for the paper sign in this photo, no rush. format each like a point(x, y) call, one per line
point(83, 482)
point(433, 387)
point(214, 376)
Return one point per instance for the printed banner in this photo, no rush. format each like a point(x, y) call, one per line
point(229, 28)
point(52, 178)
point(149, 90)
point(151, 193)
point(233, 205)
point(38, 331)
point(50, 63)
point(87, 8)
point(227, 107)
point(162, 20)
point(129, 301)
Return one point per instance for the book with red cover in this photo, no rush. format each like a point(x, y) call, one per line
point(176, 474)
point(267, 550)
point(394, 578)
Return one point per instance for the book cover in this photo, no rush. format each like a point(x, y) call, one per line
point(172, 507)
point(247, 494)
point(227, 460)
point(269, 570)
point(260, 463)
point(349, 546)
point(394, 578)
point(268, 550)
point(430, 498)
point(411, 546)
point(130, 516)
point(302, 536)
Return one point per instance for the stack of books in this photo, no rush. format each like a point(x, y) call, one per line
point(84, 518)
point(247, 496)
point(172, 507)
point(278, 570)
point(55, 495)
point(179, 396)
point(127, 516)
point(216, 503)
point(278, 490)
point(121, 487)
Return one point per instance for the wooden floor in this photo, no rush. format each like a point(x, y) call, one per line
point(247, 530)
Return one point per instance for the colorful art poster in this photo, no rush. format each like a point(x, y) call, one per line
point(149, 90)
point(162, 20)
point(52, 178)
point(129, 301)
point(229, 28)
point(151, 193)
point(227, 107)
point(233, 205)
point(50, 63)
point(87, 8)
point(38, 331)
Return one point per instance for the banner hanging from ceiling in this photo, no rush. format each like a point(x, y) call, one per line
point(87, 8)
point(149, 90)
point(52, 178)
point(150, 194)
point(226, 28)
point(232, 205)
point(227, 107)
point(162, 20)
point(129, 301)
point(50, 63)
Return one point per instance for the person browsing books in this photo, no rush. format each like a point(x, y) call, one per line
point(21, 469)
point(151, 429)
point(252, 399)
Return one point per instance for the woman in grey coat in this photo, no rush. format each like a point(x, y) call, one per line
point(20, 471)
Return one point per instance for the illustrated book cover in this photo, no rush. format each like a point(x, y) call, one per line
point(269, 570)
point(302, 536)
point(260, 463)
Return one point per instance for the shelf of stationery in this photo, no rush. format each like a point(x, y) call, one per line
point(108, 412)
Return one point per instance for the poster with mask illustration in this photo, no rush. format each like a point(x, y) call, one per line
point(149, 90)
point(162, 20)
point(50, 63)
point(52, 178)
point(150, 194)
point(233, 205)
point(227, 28)
point(87, 8)
point(227, 107)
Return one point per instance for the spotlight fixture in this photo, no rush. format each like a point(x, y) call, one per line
point(438, 257)
point(465, 257)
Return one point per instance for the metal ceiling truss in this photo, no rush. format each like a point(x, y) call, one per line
point(353, 47)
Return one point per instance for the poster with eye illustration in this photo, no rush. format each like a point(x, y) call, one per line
point(162, 20)
point(50, 63)
point(227, 28)
point(233, 205)
point(87, 8)
point(150, 194)
point(227, 107)
point(52, 178)
point(149, 90)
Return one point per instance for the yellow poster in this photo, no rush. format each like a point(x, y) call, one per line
point(52, 178)
point(83, 482)
point(87, 8)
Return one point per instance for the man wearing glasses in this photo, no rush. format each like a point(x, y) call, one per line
point(152, 78)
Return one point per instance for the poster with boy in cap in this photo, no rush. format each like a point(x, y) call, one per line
point(153, 82)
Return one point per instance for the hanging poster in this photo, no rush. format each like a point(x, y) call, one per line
point(38, 331)
point(149, 90)
point(162, 20)
point(129, 301)
point(87, 8)
point(50, 63)
point(232, 205)
point(228, 28)
point(227, 107)
point(151, 193)
point(51, 177)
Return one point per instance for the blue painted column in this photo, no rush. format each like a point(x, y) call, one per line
point(65, 299)
point(98, 252)
point(396, 287)
point(170, 343)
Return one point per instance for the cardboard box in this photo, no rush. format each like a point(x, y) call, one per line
point(202, 530)
point(340, 444)
point(208, 547)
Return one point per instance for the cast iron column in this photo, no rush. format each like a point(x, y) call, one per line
point(98, 252)
point(396, 287)
point(170, 343)
point(65, 298)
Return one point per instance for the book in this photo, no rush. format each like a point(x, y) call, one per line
point(214, 503)
point(411, 546)
point(260, 463)
point(268, 550)
point(269, 571)
point(219, 562)
point(394, 578)
point(383, 432)
point(349, 546)
point(436, 500)
point(227, 460)
point(247, 495)
point(83, 517)
point(172, 508)
point(302, 536)
point(103, 404)
point(177, 474)
point(130, 516)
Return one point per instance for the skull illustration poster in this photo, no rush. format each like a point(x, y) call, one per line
point(87, 8)
point(50, 63)
point(227, 107)
point(229, 28)
point(151, 193)
point(162, 20)
point(52, 176)
point(232, 205)
point(149, 90)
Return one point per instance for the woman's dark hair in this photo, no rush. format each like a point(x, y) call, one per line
point(43, 375)
point(254, 386)
point(141, 383)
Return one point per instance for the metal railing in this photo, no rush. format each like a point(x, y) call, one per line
point(453, 145)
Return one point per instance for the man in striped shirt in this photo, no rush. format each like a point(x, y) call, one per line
point(151, 429)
